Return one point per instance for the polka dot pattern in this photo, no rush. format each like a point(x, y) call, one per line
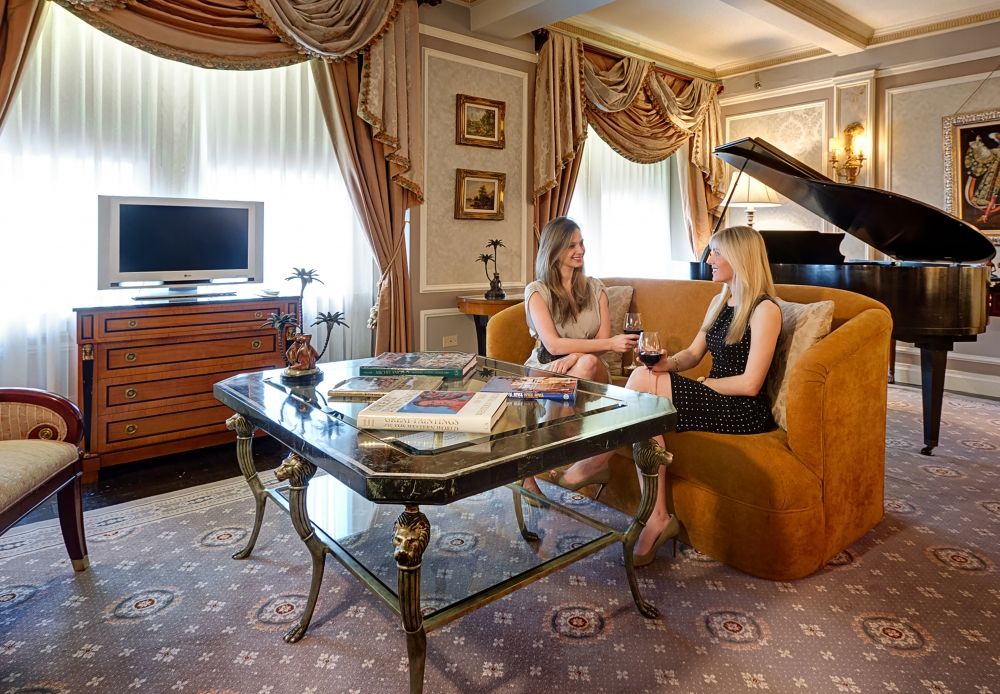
point(699, 408)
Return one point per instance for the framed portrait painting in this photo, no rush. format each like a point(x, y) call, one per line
point(972, 169)
point(479, 122)
point(479, 194)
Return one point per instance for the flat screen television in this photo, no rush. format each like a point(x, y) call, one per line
point(178, 244)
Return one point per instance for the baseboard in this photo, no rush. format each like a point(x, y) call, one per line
point(956, 381)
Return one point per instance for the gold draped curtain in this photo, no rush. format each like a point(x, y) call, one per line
point(644, 114)
point(378, 141)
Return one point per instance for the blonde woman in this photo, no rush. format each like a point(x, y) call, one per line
point(567, 312)
point(740, 331)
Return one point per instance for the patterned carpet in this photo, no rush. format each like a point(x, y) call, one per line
point(913, 607)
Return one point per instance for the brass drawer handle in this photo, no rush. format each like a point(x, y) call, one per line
point(258, 314)
point(130, 356)
point(255, 344)
point(131, 429)
point(133, 323)
point(130, 393)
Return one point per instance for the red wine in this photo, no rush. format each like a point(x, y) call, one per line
point(632, 332)
point(649, 358)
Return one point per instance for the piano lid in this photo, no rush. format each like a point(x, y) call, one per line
point(900, 227)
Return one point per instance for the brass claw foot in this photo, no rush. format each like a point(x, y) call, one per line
point(296, 633)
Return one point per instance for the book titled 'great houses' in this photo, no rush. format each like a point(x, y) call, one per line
point(434, 410)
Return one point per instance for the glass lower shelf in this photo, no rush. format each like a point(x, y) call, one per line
point(475, 544)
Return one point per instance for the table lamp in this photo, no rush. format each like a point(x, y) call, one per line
point(750, 193)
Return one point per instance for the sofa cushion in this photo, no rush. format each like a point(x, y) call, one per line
point(619, 299)
point(26, 464)
point(802, 326)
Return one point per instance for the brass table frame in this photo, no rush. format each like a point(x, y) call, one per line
point(410, 539)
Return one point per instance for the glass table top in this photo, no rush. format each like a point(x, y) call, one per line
point(427, 467)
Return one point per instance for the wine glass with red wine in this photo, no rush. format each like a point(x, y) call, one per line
point(633, 326)
point(649, 347)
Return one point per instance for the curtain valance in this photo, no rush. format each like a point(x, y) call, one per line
point(642, 113)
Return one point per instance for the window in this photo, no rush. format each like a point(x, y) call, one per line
point(628, 213)
point(96, 116)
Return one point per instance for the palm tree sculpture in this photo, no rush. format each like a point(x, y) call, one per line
point(289, 329)
point(496, 288)
point(485, 259)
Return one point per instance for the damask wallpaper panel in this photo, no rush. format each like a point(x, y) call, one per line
point(449, 246)
point(799, 130)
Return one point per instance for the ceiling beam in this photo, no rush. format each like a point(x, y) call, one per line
point(508, 19)
point(815, 21)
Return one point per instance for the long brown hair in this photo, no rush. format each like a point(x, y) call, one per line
point(557, 234)
point(744, 249)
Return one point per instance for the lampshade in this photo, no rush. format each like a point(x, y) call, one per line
point(750, 193)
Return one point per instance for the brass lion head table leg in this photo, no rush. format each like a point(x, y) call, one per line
point(650, 457)
point(412, 533)
point(298, 471)
point(244, 455)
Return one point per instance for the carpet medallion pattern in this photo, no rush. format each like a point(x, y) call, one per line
point(914, 606)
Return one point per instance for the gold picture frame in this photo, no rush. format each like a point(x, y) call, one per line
point(972, 169)
point(479, 122)
point(479, 194)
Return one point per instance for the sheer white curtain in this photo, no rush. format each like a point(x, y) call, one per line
point(95, 116)
point(623, 209)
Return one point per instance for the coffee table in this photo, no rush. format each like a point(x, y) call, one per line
point(415, 469)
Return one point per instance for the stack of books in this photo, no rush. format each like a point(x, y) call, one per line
point(540, 388)
point(434, 410)
point(443, 364)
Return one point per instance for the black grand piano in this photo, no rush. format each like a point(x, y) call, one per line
point(936, 286)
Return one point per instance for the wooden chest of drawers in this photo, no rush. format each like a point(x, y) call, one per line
point(146, 370)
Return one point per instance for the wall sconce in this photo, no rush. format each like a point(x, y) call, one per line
point(746, 191)
point(852, 145)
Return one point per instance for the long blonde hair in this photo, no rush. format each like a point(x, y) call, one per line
point(744, 249)
point(557, 235)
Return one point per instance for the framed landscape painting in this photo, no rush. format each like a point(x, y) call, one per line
point(972, 169)
point(479, 122)
point(479, 194)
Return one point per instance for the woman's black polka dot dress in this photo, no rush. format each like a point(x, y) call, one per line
point(699, 408)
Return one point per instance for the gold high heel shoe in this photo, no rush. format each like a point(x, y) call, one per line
point(600, 477)
point(671, 529)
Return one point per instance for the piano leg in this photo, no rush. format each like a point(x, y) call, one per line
point(933, 364)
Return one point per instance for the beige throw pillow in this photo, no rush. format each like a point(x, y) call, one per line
point(619, 299)
point(802, 326)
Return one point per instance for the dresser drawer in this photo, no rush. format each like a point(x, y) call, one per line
point(138, 429)
point(186, 319)
point(162, 389)
point(189, 351)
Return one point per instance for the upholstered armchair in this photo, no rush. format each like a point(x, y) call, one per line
point(40, 435)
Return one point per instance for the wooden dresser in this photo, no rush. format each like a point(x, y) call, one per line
point(146, 370)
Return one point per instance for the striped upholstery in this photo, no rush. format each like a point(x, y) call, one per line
point(25, 465)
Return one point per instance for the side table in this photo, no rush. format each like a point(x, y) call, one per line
point(481, 309)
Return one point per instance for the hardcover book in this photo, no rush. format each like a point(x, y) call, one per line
point(434, 410)
point(534, 388)
point(444, 364)
point(374, 387)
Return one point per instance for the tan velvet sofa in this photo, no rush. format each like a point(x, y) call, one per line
point(777, 505)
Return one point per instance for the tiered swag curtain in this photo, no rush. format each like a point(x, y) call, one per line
point(642, 113)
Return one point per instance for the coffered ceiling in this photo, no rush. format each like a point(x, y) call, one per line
point(721, 38)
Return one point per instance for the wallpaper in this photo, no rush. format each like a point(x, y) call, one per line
point(450, 246)
point(801, 132)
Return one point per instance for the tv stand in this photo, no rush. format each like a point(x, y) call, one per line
point(146, 371)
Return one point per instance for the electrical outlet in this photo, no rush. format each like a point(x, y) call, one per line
point(449, 341)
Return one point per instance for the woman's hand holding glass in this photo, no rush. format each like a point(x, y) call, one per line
point(623, 343)
point(650, 353)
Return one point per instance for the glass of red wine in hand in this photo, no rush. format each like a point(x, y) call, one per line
point(649, 348)
point(633, 326)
